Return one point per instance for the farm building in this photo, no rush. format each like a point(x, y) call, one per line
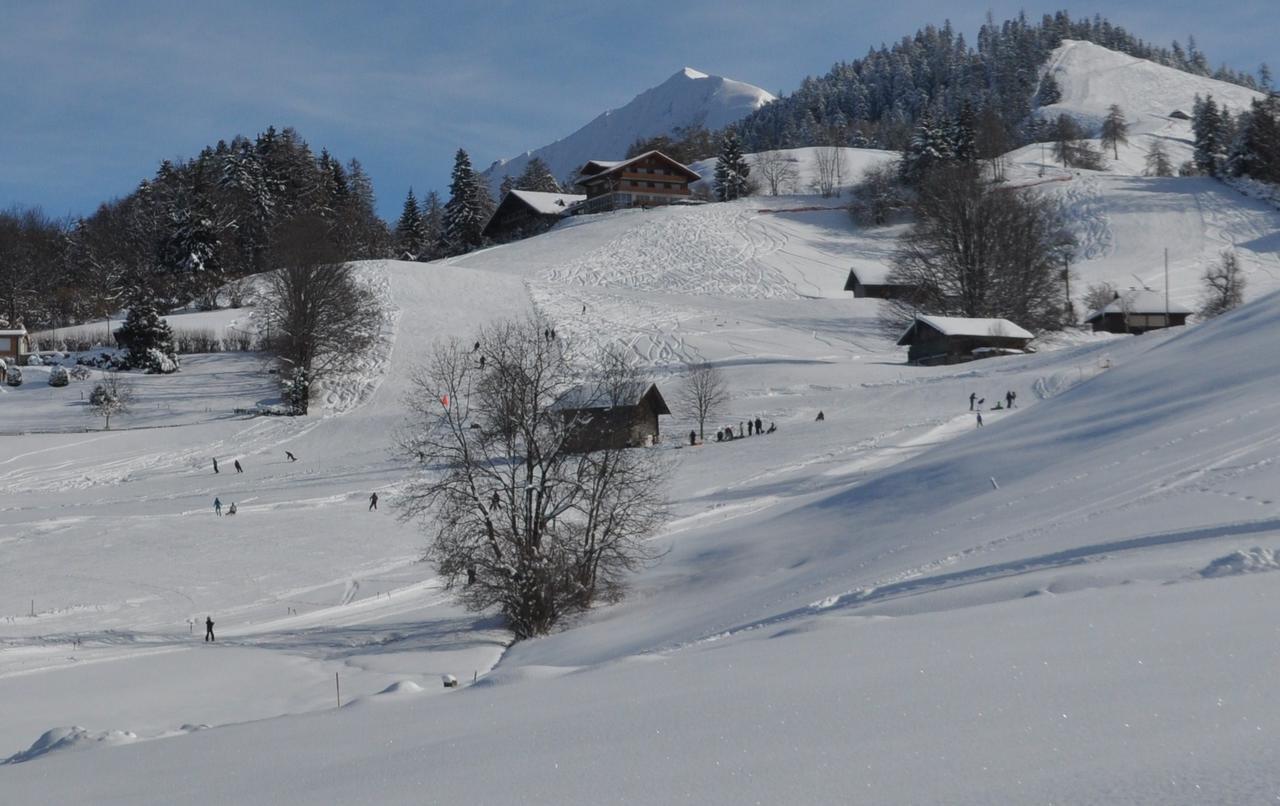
point(1137, 311)
point(522, 213)
point(627, 418)
point(954, 339)
point(14, 345)
point(649, 179)
point(872, 281)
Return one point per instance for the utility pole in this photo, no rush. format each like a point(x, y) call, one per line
point(1166, 286)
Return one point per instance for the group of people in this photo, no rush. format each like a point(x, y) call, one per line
point(217, 502)
point(747, 428)
point(976, 403)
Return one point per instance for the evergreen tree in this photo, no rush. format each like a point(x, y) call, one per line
point(1210, 141)
point(1158, 162)
point(732, 169)
point(537, 176)
point(964, 135)
point(410, 237)
point(432, 225)
point(930, 147)
point(464, 213)
point(189, 255)
point(145, 335)
point(508, 184)
point(1115, 130)
point(1050, 92)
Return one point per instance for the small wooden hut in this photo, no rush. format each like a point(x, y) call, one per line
point(623, 418)
point(954, 339)
point(1137, 311)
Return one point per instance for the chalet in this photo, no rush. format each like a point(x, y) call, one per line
point(626, 418)
point(15, 344)
point(522, 213)
point(1137, 311)
point(872, 281)
point(649, 179)
point(954, 339)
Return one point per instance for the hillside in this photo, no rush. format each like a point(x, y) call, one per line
point(688, 98)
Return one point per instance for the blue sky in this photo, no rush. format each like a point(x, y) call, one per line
point(94, 95)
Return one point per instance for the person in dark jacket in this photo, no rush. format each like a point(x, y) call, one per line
point(972, 397)
point(215, 464)
point(290, 456)
point(693, 438)
point(239, 469)
point(759, 429)
point(217, 506)
point(751, 428)
point(1009, 397)
point(373, 502)
point(820, 417)
point(208, 629)
point(979, 419)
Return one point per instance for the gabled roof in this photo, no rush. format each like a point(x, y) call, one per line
point(963, 326)
point(22, 331)
point(595, 169)
point(868, 275)
point(1139, 301)
point(597, 396)
point(547, 203)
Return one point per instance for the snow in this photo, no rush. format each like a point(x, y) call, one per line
point(887, 606)
point(548, 203)
point(962, 326)
point(1140, 301)
point(687, 98)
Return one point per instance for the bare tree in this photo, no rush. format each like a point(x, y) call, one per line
point(829, 164)
point(314, 311)
point(1224, 284)
point(779, 171)
point(1070, 146)
point(977, 250)
point(878, 196)
point(705, 393)
point(1099, 296)
point(110, 397)
point(519, 520)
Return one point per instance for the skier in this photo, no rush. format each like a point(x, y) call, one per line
point(215, 464)
point(232, 510)
point(292, 458)
point(979, 419)
point(759, 431)
point(481, 362)
point(208, 629)
point(217, 506)
point(476, 349)
point(373, 502)
point(751, 428)
point(584, 309)
point(239, 469)
point(772, 427)
point(820, 417)
point(693, 438)
point(1009, 397)
point(972, 397)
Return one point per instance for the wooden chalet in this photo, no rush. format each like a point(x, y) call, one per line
point(873, 282)
point(1137, 311)
point(15, 344)
point(954, 339)
point(625, 418)
point(649, 179)
point(522, 213)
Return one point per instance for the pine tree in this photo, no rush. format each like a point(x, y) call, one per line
point(1115, 130)
point(145, 335)
point(930, 147)
point(508, 185)
point(464, 213)
point(410, 238)
point(1158, 162)
point(963, 134)
point(432, 225)
point(732, 169)
point(537, 176)
point(1050, 92)
point(1210, 142)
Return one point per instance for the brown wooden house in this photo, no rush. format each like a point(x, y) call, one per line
point(14, 345)
point(954, 339)
point(646, 180)
point(873, 282)
point(625, 418)
point(1137, 311)
point(522, 213)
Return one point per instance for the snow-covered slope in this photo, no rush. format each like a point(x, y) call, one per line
point(686, 99)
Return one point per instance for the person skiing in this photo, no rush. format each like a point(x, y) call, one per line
point(820, 417)
point(208, 629)
point(292, 458)
point(481, 362)
point(217, 506)
point(972, 397)
point(239, 469)
point(215, 464)
point(751, 428)
point(759, 431)
point(979, 419)
point(373, 502)
point(1009, 397)
point(476, 349)
point(693, 438)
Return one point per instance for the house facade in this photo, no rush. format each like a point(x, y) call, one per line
point(15, 344)
point(646, 180)
point(630, 420)
point(868, 282)
point(522, 213)
point(1137, 311)
point(953, 340)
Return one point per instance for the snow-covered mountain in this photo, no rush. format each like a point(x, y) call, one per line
point(686, 99)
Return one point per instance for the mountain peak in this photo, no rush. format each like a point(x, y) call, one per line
point(689, 72)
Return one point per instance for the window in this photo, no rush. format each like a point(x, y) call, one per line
point(6, 344)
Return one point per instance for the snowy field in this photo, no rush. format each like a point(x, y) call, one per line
point(1072, 604)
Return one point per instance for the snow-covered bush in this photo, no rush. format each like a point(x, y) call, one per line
point(80, 373)
point(103, 360)
point(156, 362)
point(34, 360)
point(13, 376)
point(58, 376)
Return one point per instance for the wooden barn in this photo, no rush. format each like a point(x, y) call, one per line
point(647, 180)
point(954, 339)
point(522, 213)
point(14, 345)
point(1137, 311)
point(872, 281)
point(627, 418)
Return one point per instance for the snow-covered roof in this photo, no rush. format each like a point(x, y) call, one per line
point(963, 326)
point(596, 396)
point(609, 166)
point(1139, 301)
point(548, 203)
point(867, 275)
point(22, 331)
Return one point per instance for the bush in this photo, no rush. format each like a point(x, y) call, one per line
point(80, 373)
point(13, 376)
point(58, 376)
point(194, 340)
point(156, 362)
point(34, 360)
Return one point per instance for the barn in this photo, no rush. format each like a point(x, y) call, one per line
point(625, 418)
point(1137, 311)
point(872, 281)
point(522, 213)
point(954, 339)
point(14, 345)
point(650, 179)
